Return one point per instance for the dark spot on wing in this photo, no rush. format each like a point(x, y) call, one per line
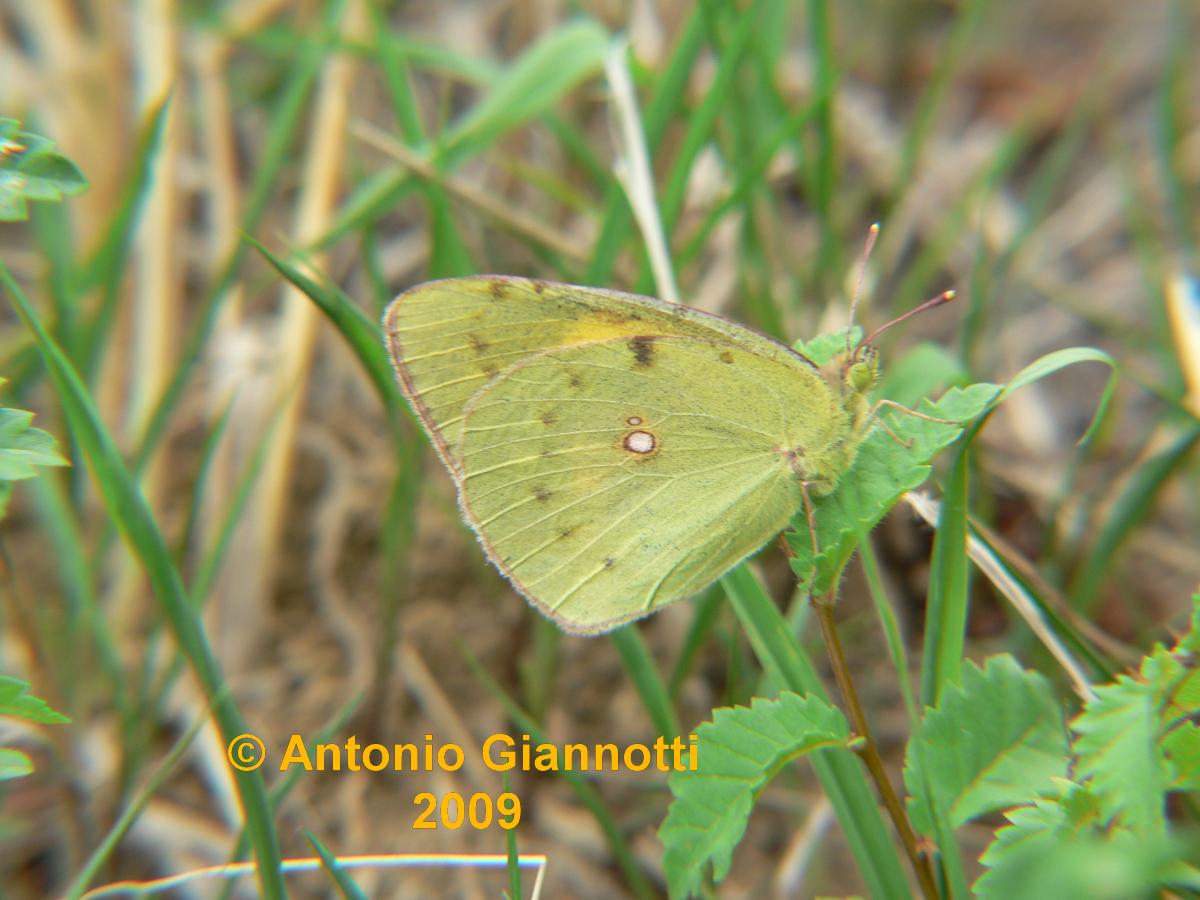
point(541, 494)
point(497, 289)
point(642, 349)
point(479, 345)
point(490, 370)
point(727, 357)
point(574, 379)
point(609, 562)
point(566, 531)
point(549, 417)
point(539, 287)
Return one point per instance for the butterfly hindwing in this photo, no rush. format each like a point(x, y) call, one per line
point(609, 478)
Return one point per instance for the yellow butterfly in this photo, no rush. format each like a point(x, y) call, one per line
point(616, 453)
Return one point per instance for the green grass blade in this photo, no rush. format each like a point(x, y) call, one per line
point(936, 88)
point(840, 772)
point(1172, 124)
point(199, 487)
point(107, 262)
point(132, 809)
point(284, 785)
point(532, 85)
point(1060, 359)
point(210, 565)
point(448, 254)
point(704, 119)
point(128, 509)
point(341, 879)
point(84, 615)
point(644, 674)
point(525, 90)
point(396, 76)
point(823, 170)
point(946, 607)
point(537, 671)
point(706, 609)
point(749, 178)
point(584, 792)
point(1104, 665)
point(277, 153)
point(949, 857)
point(672, 87)
point(1131, 506)
point(515, 891)
point(361, 333)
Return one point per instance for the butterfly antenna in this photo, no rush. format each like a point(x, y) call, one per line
point(944, 297)
point(872, 236)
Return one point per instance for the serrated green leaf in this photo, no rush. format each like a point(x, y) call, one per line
point(1120, 754)
point(12, 205)
point(1184, 698)
point(23, 447)
point(1054, 850)
point(1179, 681)
point(14, 763)
point(31, 170)
point(885, 468)
point(1182, 746)
point(882, 472)
point(994, 740)
point(825, 347)
point(16, 701)
point(738, 753)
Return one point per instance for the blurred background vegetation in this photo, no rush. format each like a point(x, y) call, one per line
point(1042, 159)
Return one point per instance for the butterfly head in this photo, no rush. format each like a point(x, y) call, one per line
point(859, 367)
point(855, 374)
point(861, 371)
point(856, 371)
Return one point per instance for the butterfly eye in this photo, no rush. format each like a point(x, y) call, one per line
point(861, 374)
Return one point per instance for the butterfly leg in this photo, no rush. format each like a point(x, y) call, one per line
point(912, 412)
point(895, 437)
point(811, 516)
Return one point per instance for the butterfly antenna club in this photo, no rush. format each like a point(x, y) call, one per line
point(872, 236)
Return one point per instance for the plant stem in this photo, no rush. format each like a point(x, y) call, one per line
point(870, 752)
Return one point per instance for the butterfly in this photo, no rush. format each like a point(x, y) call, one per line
point(615, 453)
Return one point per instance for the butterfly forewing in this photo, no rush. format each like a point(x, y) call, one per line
point(449, 338)
point(610, 478)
